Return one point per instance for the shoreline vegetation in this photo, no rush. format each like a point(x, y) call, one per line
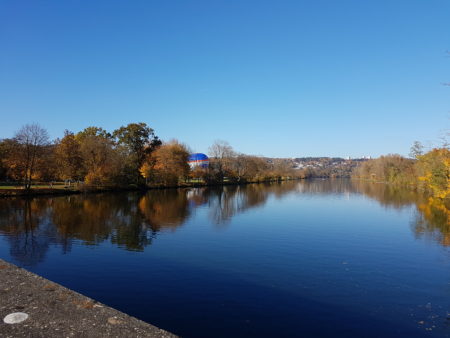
point(427, 172)
point(131, 157)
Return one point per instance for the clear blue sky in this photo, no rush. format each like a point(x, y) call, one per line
point(275, 78)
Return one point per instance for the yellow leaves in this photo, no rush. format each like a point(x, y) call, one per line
point(425, 178)
point(435, 169)
point(436, 220)
point(144, 170)
point(447, 163)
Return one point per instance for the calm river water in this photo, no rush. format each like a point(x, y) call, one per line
point(306, 258)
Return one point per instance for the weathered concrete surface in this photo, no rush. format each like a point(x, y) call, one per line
point(55, 311)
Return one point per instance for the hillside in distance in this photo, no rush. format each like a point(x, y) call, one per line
point(322, 166)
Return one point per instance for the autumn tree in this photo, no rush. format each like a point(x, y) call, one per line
point(25, 151)
point(281, 168)
point(167, 164)
point(434, 170)
point(391, 168)
point(46, 166)
point(221, 154)
point(69, 157)
point(4, 152)
point(102, 162)
point(248, 168)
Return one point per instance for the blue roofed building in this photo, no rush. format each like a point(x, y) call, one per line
point(198, 160)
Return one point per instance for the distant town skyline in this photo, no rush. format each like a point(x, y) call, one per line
point(273, 78)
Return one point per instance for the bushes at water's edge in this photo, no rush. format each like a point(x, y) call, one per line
point(430, 171)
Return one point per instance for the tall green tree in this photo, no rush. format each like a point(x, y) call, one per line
point(94, 132)
point(138, 140)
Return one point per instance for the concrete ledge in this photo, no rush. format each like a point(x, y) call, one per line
point(55, 311)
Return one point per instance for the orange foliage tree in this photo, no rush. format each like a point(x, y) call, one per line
point(167, 164)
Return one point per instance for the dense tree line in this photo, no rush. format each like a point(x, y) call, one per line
point(227, 164)
point(168, 165)
point(130, 155)
point(93, 155)
point(427, 171)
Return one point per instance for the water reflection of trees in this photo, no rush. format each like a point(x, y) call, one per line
point(432, 219)
point(165, 209)
point(24, 222)
point(129, 220)
point(133, 220)
point(225, 202)
point(388, 195)
point(94, 219)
